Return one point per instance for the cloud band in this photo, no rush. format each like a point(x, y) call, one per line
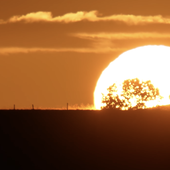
point(14, 50)
point(121, 36)
point(91, 16)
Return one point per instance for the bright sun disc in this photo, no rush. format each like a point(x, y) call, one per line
point(150, 62)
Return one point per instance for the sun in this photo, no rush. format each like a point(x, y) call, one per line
point(150, 62)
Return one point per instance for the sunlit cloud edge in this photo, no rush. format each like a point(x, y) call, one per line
point(91, 16)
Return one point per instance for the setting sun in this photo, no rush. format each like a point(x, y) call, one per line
point(145, 63)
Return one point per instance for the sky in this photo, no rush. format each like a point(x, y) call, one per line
point(53, 52)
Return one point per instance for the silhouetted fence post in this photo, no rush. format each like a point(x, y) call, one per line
point(32, 107)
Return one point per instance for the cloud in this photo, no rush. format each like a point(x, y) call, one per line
point(14, 50)
point(138, 19)
point(92, 16)
point(47, 17)
point(120, 36)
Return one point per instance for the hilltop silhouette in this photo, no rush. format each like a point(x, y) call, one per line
point(106, 139)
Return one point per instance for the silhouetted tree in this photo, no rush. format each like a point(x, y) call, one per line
point(134, 95)
point(112, 100)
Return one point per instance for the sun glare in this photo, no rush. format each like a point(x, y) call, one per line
point(150, 62)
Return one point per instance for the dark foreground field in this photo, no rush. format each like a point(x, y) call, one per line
point(83, 140)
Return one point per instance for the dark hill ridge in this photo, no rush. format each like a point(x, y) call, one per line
point(43, 139)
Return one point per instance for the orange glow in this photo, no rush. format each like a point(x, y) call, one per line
point(144, 63)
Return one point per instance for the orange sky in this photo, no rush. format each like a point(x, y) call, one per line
point(53, 52)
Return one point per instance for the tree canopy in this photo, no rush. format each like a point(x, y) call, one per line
point(134, 94)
